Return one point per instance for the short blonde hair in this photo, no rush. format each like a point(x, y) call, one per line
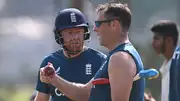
point(119, 11)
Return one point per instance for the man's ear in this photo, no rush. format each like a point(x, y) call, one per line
point(169, 40)
point(115, 24)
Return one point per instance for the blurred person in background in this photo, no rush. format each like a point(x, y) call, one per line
point(114, 80)
point(165, 40)
point(75, 62)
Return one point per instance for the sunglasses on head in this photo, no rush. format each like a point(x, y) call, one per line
point(98, 23)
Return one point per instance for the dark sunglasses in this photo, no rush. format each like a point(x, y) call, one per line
point(98, 23)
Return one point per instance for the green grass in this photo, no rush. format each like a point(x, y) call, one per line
point(22, 94)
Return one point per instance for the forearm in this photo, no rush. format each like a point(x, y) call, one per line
point(77, 92)
point(41, 97)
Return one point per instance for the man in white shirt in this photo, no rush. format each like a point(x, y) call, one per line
point(165, 69)
point(165, 38)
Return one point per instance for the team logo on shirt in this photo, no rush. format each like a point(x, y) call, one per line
point(176, 55)
point(88, 69)
point(57, 92)
point(58, 70)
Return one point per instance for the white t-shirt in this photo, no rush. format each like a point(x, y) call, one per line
point(165, 69)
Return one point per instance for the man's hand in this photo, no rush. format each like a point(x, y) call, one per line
point(47, 73)
point(148, 97)
point(76, 92)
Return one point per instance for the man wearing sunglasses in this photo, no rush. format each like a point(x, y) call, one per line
point(114, 80)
